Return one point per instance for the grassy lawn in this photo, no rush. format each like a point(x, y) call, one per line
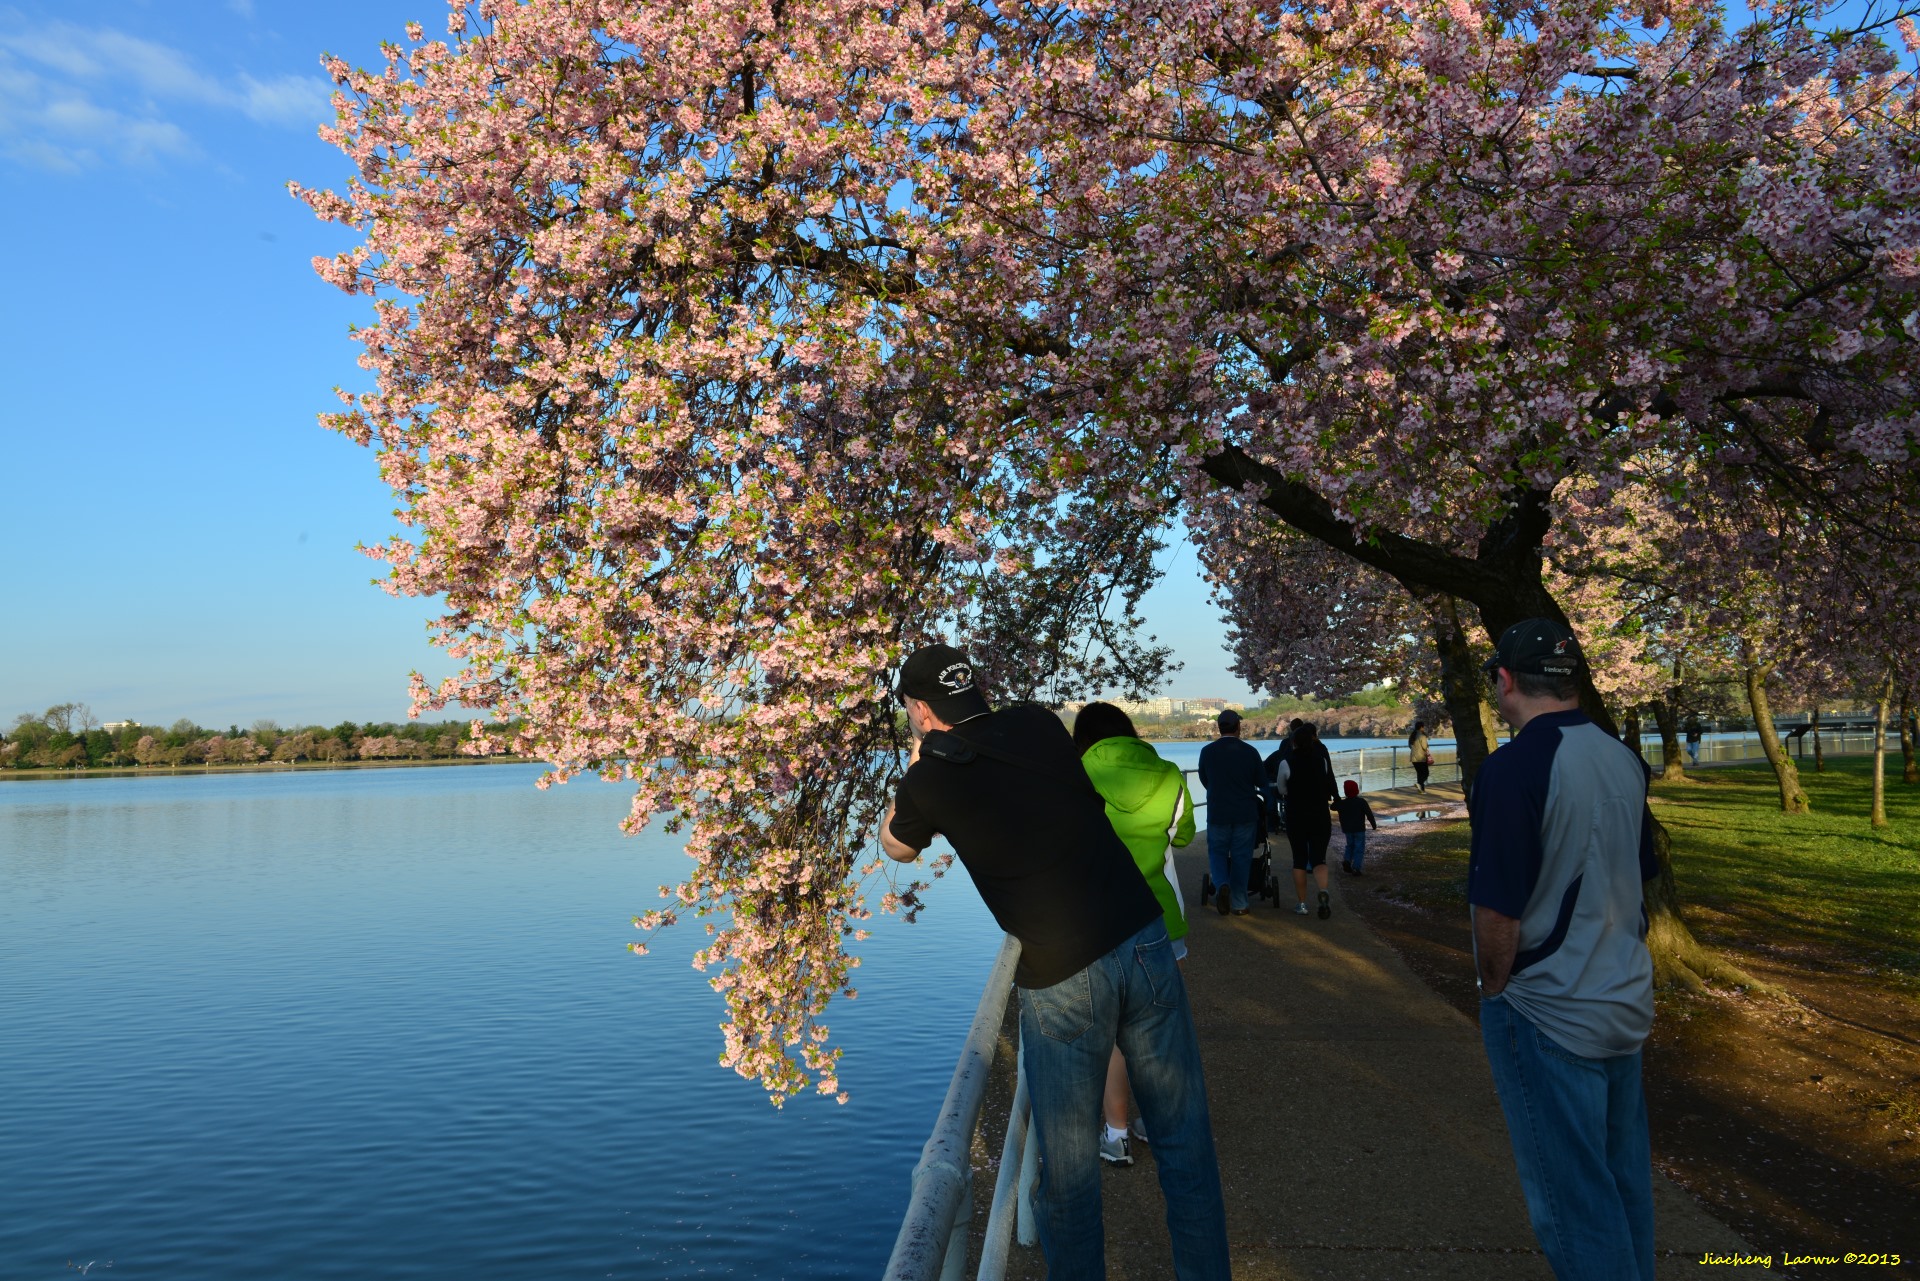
point(1824, 887)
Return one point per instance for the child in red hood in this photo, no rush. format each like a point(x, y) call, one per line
point(1355, 817)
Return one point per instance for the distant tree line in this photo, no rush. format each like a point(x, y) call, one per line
point(1379, 712)
point(69, 736)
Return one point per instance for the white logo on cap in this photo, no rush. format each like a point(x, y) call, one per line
point(956, 677)
point(1560, 647)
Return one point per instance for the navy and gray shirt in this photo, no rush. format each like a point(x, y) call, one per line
point(1563, 842)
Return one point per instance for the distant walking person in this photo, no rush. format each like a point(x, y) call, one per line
point(1307, 777)
point(1008, 791)
point(1420, 753)
point(1562, 847)
point(1150, 809)
point(1284, 750)
point(1236, 786)
point(1277, 801)
point(1694, 736)
point(1356, 816)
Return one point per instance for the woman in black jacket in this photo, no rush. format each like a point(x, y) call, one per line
point(1307, 776)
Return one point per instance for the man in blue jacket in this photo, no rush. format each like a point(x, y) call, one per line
point(1562, 847)
point(1237, 788)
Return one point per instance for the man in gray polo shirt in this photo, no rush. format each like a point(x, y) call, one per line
point(1562, 844)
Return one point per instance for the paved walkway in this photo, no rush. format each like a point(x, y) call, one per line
point(1358, 1129)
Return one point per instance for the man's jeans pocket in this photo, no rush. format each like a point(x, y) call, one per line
point(1064, 1011)
point(1552, 1049)
point(1160, 970)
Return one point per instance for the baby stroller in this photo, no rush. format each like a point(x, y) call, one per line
point(1261, 882)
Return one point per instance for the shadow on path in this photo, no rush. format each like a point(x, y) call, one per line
point(1357, 1125)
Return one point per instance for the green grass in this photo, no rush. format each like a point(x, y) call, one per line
point(1431, 872)
point(1825, 886)
point(1818, 889)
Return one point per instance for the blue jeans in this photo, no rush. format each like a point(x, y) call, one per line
point(1579, 1131)
point(1230, 858)
point(1132, 996)
point(1356, 851)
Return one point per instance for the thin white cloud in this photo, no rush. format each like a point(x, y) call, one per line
point(68, 132)
point(70, 95)
point(287, 100)
point(45, 155)
point(87, 54)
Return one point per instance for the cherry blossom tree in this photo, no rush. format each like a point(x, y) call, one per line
point(1375, 266)
point(667, 391)
point(1415, 286)
point(719, 353)
point(1305, 619)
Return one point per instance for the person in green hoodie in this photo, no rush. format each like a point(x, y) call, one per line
point(1152, 812)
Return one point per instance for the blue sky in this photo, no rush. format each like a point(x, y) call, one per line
point(179, 530)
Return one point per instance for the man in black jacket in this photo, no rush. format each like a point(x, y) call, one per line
point(1007, 790)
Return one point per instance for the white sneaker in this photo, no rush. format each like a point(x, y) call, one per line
point(1299, 909)
point(1115, 1151)
point(1138, 1130)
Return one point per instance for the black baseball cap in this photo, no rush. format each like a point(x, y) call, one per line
point(942, 677)
point(1228, 721)
point(1537, 647)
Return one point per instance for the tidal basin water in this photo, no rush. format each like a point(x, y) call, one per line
point(381, 1024)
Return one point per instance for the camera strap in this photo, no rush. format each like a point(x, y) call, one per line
point(947, 746)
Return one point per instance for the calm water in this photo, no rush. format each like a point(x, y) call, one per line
point(1378, 763)
point(380, 1023)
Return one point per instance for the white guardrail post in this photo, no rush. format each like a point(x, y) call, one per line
point(1029, 1233)
point(1010, 1185)
point(933, 1235)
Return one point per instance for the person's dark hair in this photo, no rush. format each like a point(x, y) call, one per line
point(1305, 735)
point(1101, 720)
point(1558, 687)
point(1415, 732)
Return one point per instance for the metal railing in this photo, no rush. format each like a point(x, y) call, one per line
point(933, 1235)
point(1383, 768)
point(1725, 749)
point(1377, 768)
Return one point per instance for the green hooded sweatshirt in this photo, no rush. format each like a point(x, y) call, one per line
point(1140, 790)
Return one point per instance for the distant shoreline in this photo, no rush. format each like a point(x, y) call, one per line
point(256, 767)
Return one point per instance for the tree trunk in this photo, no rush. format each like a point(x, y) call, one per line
point(1908, 774)
point(1819, 757)
point(1880, 750)
point(1462, 688)
point(1792, 798)
point(1672, 760)
point(1678, 957)
point(1489, 724)
point(1503, 581)
point(1630, 732)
